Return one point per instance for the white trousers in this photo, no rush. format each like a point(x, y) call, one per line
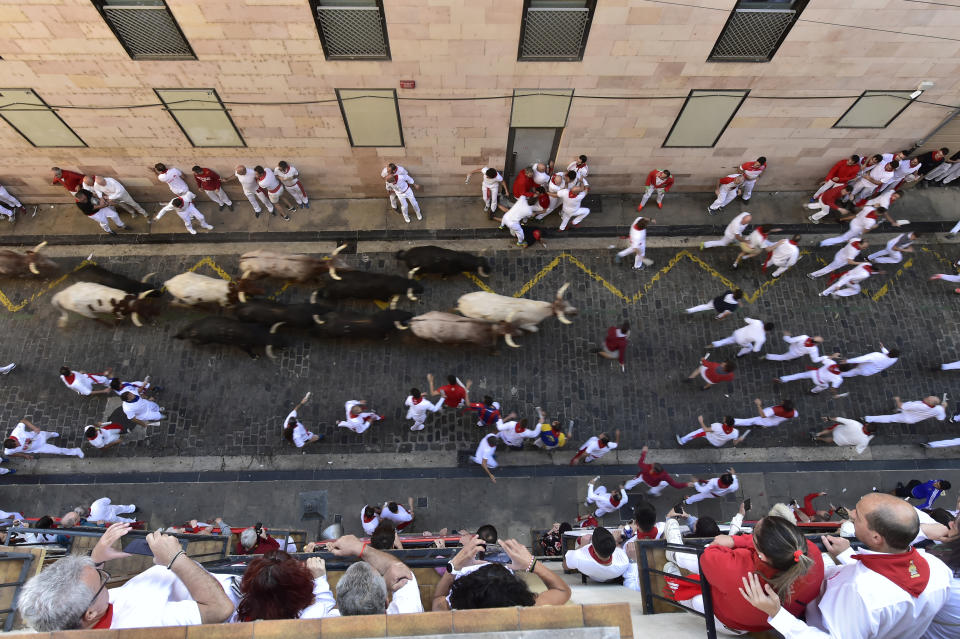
point(516, 229)
point(781, 269)
point(944, 443)
point(421, 416)
point(844, 287)
point(577, 216)
point(896, 418)
point(702, 307)
point(811, 375)
point(834, 264)
point(129, 204)
point(5, 211)
point(299, 193)
point(406, 200)
point(939, 172)
point(39, 446)
point(887, 255)
point(826, 186)
point(822, 210)
point(102, 216)
point(639, 251)
point(856, 230)
point(956, 228)
point(218, 196)
point(726, 197)
point(726, 240)
point(490, 195)
point(649, 192)
point(726, 341)
point(252, 198)
point(703, 492)
point(792, 353)
point(746, 189)
point(952, 366)
point(951, 174)
point(862, 188)
point(8, 199)
point(766, 422)
point(191, 213)
point(104, 510)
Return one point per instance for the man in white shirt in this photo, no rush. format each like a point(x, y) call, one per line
point(267, 181)
point(750, 338)
point(369, 518)
point(105, 510)
point(403, 186)
point(103, 434)
point(717, 433)
point(581, 170)
point(864, 222)
point(846, 256)
point(9, 200)
point(605, 501)
point(799, 346)
point(716, 487)
point(515, 433)
point(114, 193)
point(872, 363)
point(173, 178)
point(733, 232)
point(252, 190)
point(769, 416)
point(638, 243)
point(177, 591)
point(418, 407)
point(387, 174)
point(894, 250)
point(886, 591)
point(600, 559)
point(143, 411)
point(595, 448)
point(849, 283)
point(557, 183)
point(26, 440)
point(869, 182)
point(299, 436)
point(358, 417)
point(520, 212)
point(490, 188)
point(906, 171)
point(541, 173)
point(396, 514)
point(751, 172)
point(290, 178)
point(572, 198)
point(783, 254)
point(485, 454)
point(827, 376)
point(912, 412)
point(183, 207)
point(726, 191)
point(83, 383)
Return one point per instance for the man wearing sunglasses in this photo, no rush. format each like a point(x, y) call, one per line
point(71, 594)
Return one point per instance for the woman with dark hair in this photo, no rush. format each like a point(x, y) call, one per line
point(947, 622)
point(277, 586)
point(551, 542)
point(777, 551)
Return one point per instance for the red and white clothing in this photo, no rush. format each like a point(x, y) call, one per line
point(799, 345)
point(864, 188)
point(402, 187)
point(655, 481)
point(827, 201)
point(173, 178)
point(750, 338)
point(513, 434)
point(251, 189)
point(892, 253)
point(910, 413)
point(520, 212)
point(840, 173)
point(556, 184)
point(849, 283)
point(841, 258)
point(486, 450)
point(718, 435)
point(656, 183)
point(638, 244)
point(400, 519)
point(490, 189)
point(387, 176)
point(736, 227)
point(586, 560)
point(539, 177)
point(418, 409)
point(726, 192)
point(827, 376)
point(300, 433)
point(360, 422)
point(83, 383)
point(581, 170)
point(70, 180)
point(105, 510)
point(861, 224)
point(571, 208)
point(772, 416)
point(187, 212)
point(208, 181)
point(906, 171)
point(615, 343)
point(8, 199)
point(849, 432)
point(870, 364)
point(112, 190)
point(712, 489)
point(155, 597)
point(606, 502)
point(34, 443)
point(269, 183)
point(751, 173)
point(895, 598)
point(369, 525)
point(291, 182)
point(594, 449)
point(142, 409)
point(106, 435)
point(454, 395)
point(712, 373)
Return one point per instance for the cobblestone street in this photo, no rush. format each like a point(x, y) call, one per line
point(221, 402)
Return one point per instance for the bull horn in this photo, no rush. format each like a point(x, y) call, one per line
point(511, 316)
point(135, 318)
point(269, 350)
point(39, 246)
point(562, 290)
point(313, 297)
point(145, 293)
point(410, 295)
point(400, 327)
point(393, 302)
point(508, 338)
point(339, 248)
point(144, 279)
point(273, 329)
point(242, 297)
point(33, 268)
point(316, 318)
point(333, 273)
point(412, 272)
point(482, 271)
point(563, 318)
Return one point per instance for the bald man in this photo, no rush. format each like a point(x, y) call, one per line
point(912, 412)
point(886, 591)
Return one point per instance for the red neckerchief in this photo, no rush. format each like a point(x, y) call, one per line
point(69, 378)
point(909, 570)
point(809, 342)
point(417, 400)
point(519, 428)
point(367, 521)
point(855, 245)
point(721, 484)
point(762, 233)
point(780, 411)
point(600, 444)
point(649, 534)
point(872, 215)
point(727, 429)
point(868, 268)
point(833, 368)
point(105, 620)
point(596, 558)
point(791, 242)
point(580, 166)
point(614, 500)
point(112, 426)
point(865, 431)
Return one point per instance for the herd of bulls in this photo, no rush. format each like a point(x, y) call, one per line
point(255, 322)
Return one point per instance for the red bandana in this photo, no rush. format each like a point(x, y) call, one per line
point(649, 534)
point(614, 500)
point(792, 242)
point(834, 369)
point(865, 432)
point(855, 245)
point(727, 429)
point(909, 570)
point(596, 558)
point(780, 411)
point(106, 619)
point(872, 215)
point(868, 268)
point(809, 342)
point(69, 378)
point(721, 484)
point(416, 400)
point(14, 439)
point(519, 428)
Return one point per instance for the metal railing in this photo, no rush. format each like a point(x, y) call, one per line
point(411, 557)
point(10, 612)
point(72, 534)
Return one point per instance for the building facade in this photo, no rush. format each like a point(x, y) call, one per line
point(340, 87)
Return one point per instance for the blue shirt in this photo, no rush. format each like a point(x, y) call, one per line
point(926, 492)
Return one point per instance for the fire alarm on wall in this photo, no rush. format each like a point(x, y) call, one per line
point(408, 84)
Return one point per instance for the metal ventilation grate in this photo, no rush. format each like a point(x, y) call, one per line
point(353, 32)
point(752, 35)
point(148, 32)
point(554, 34)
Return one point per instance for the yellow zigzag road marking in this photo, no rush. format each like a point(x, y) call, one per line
point(13, 308)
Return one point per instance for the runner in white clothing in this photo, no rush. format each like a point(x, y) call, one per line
point(638, 243)
point(595, 448)
point(769, 416)
point(557, 183)
point(485, 454)
point(83, 383)
point(872, 363)
point(114, 193)
point(514, 433)
point(750, 338)
point(868, 183)
point(396, 514)
point(896, 247)
point(26, 440)
point(849, 283)
point(290, 178)
point(717, 433)
point(268, 182)
point(751, 172)
point(293, 429)
point(490, 189)
point(733, 233)
point(103, 510)
point(912, 412)
point(716, 487)
point(418, 407)
point(606, 502)
point(140, 410)
point(541, 173)
point(402, 186)
point(827, 376)
point(251, 189)
point(520, 212)
point(581, 170)
point(783, 254)
point(799, 346)
point(103, 434)
point(358, 417)
point(727, 189)
point(173, 178)
point(845, 432)
point(860, 225)
point(572, 198)
point(846, 256)
point(369, 518)
point(183, 207)
point(387, 173)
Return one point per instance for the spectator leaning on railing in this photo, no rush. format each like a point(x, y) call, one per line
point(256, 541)
point(71, 594)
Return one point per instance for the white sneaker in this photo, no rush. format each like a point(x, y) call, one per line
point(192, 231)
point(406, 219)
point(419, 217)
point(207, 226)
point(9, 367)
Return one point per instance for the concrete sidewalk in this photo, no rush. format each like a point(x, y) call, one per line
point(931, 210)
